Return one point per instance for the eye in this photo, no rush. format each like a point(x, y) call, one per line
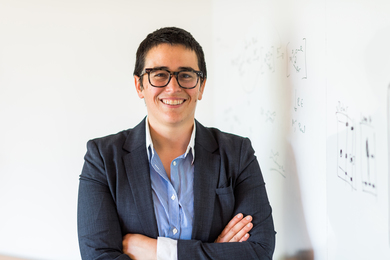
point(187, 75)
point(159, 74)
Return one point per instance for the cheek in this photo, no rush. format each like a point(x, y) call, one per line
point(195, 95)
point(152, 93)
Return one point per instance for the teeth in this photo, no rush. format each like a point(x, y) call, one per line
point(173, 101)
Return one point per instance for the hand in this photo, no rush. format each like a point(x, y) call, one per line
point(139, 246)
point(236, 230)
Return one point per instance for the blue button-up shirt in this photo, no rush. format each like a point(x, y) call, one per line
point(173, 199)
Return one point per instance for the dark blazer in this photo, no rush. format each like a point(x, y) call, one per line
point(115, 196)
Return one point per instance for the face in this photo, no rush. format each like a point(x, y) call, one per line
point(170, 105)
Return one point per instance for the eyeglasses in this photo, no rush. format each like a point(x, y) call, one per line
point(160, 78)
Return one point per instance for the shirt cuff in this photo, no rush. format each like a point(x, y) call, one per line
point(166, 248)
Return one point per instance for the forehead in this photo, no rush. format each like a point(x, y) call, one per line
point(171, 56)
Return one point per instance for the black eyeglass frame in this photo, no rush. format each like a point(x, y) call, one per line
point(148, 70)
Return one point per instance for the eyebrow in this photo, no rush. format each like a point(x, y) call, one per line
point(186, 68)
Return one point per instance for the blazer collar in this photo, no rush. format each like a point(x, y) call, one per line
point(136, 137)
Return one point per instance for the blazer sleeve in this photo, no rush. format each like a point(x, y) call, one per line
point(99, 230)
point(250, 199)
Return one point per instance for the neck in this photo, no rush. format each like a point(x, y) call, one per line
point(173, 138)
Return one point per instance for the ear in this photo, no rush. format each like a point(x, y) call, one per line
point(138, 86)
point(201, 89)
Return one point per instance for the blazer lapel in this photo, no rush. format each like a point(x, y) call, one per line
point(138, 174)
point(206, 174)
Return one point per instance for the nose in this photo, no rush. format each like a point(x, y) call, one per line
point(173, 85)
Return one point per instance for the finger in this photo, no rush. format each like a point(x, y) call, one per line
point(241, 234)
point(244, 238)
point(231, 224)
point(234, 234)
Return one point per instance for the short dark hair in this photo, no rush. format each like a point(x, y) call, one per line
point(173, 36)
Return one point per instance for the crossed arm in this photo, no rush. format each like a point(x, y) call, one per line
point(101, 223)
point(138, 246)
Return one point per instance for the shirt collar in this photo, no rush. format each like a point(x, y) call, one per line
point(149, 142)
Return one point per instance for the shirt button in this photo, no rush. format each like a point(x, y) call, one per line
point(174, 231)
point(173, 197)
point(174, 163)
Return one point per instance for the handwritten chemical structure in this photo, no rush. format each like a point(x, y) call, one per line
point(256, 60)
point(247, 64)
point(298, 102)
point(346, 149)
point(296, 60)
point(368, 162)
point(249, 56)
point(297, 124)
point(268, 60)
point(356, 149)
point(276, 165)
point(268, 115)
point(269, 57)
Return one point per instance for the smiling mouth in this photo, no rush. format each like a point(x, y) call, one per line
point(173, 102)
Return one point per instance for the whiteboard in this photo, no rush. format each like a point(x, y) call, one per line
point(307, 81)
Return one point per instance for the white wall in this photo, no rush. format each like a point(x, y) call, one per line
point(66, 77)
